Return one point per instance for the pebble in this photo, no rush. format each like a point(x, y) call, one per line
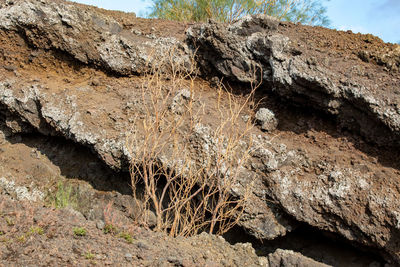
point(128, 256)
point(100, 224)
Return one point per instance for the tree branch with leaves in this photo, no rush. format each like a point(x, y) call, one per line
point(310, 12)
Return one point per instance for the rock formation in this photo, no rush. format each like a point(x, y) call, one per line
point(326, 150)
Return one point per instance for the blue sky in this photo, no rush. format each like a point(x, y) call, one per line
point(379, 17)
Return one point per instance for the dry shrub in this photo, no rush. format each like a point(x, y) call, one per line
point(183, 170)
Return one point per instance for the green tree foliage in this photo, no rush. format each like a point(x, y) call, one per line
point(305, 11)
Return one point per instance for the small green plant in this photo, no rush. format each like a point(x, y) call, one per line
point(89, 256)
point(64, 196)
point(2, 233)
point(128, 238)
point(79, 231)
point(9, 221)
point(21, 238)
point(4, 240)
point(110, 229)
point(36, 230)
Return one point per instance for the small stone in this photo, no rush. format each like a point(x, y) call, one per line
point(266, 118)
point(174, 260)
point(142, 245)
point(185, 93)
point(76, 249)
point(178, 103)
point(245, 118)
point(95, 82)
point(10, 67)
point(100, 224)
point(35, 154)
point(128, 256)
point(215, 81)
point(2, 138)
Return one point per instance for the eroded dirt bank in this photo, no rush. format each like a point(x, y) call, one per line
point(37, 167)
point(71, 82)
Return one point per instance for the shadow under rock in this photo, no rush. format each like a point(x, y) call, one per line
point(300, 117)
point(302, 120)
point(77, 161)
point(315, 244)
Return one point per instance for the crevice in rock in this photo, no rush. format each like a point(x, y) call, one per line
point(318, 245)
point(302, 120)
point(297, 116)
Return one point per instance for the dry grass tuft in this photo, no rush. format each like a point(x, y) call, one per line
point(184, 170)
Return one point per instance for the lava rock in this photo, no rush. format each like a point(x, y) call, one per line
point(266, 118)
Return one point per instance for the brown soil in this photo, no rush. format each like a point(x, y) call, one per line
point(33, 235)
point(359, 56)
point(298, 129)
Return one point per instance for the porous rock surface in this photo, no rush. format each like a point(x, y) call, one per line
point(266, 118)
point(311, 72)
point(289, 258)
point(99, 114)
point(58, 78)
point(89, 37)
point(30, 165)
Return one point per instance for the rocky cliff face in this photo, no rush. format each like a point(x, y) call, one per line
point(325, 153)
point(316, 70)
point(302, 67)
